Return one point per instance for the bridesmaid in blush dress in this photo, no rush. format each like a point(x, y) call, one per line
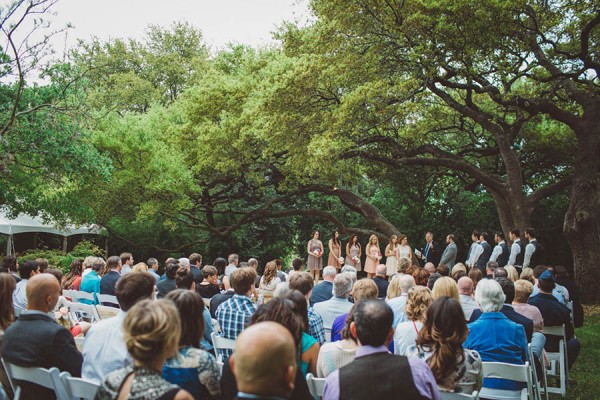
point(373, 256)
point(353, 252)
point(335, 251)
point(391, 262)
point(315, 256)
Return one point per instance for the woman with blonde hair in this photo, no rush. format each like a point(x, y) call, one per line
point(140, 267)
point(269, 280)
point(393, 288)
point(419, 298)
point(513, 275)
point(445, 286)
point(152, 331)
point(527, 274)
point(391, 253)
point(373, 256)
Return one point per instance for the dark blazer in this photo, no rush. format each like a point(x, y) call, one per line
point(216, 301)
point(382, 286)
point(166, 286)
point(514, 316)
point(36, 340)
point(197, 274)
point(321, 292)
point(434, 254)
point(108, 282)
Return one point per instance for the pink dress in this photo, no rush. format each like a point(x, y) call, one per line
point(371, 265)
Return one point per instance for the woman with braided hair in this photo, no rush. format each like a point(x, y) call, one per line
point(439, 344)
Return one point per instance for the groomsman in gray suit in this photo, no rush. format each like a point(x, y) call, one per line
point(449, 254)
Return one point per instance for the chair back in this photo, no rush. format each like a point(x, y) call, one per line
point(513, 372)
point(556, 331)
point(88, 310)
point(559, 366)
point(315, 385)
point(107, 298)
point(221, 343)
point(459, 396)
point(48, 378)
point(67, 293)
point(78, 388)
point(105, 312)
point(79, 295)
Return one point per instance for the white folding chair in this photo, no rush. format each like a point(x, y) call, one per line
point(105, 312)
point(558, 360)
point(78, 388)
point(513, 372)
point(539, 386)
point(107, 298)
point(48, 378)
point(458, 396)
point(81, 295)
point(85, 310)
point(315, 385)
point(327, 334)
point(221, 343)
point(570, 307)
point(79, 342)
point(68, 294)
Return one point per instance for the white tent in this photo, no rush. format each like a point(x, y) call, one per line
point(24, 223)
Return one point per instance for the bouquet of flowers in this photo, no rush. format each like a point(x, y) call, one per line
point(317, 253)
point(62, 317)
point(355, 259)
point(341, 260)
point(378, 257)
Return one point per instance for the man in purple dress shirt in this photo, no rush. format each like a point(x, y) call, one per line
point(374, 372)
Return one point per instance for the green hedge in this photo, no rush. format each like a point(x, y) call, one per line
point(60, 260)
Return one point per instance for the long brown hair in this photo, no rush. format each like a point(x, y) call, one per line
point(334, 239)
point(76, 270)
point(191, 308)
point(444, 331)
point(270, 272)
point(350, 242)
point(7, 287)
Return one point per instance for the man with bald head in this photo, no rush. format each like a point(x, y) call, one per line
point(465, 291)
point(264, 362)
point(36, 340)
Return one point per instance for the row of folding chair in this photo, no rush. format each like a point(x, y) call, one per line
point(63, 384)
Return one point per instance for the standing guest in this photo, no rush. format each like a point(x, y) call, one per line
point(196, 267)
point(208, 287)
point(517, 249)
point(10, 265)
point(391, 254)
point(398, 304)
point(36, 340)
point(449, 255)
point(485, 252)
point(329, 310)
point(473, 249)
point(494, 336)
point(324, 290)
point(109, 281)
point(315, 254)
point(417, 301)
point(364, 289)
point(192, 368)
point(152, 331)
point(523, 290)
point(555, 314)
point(353, 252)
point(297, 266)
point(42, 263)
point(334, 355)
point(373, 256)
point(432, 250)
point(445, 286)
point(364, 377)
point(7, 317)
point(264, 364)
point(169, 284)
point(233, 261)
point(533, 251)
point(302, 282)
point(72, 280)
point(153, 268)
point(90, 283)
point(465, 292)
point(381, 280)
point(234, 314)
point(104, 348)
point(27, 270)
point(335, 251)
point(500, 253)
point(440, 345)
point(404, 250)
point(269, 280)
point(126, 263)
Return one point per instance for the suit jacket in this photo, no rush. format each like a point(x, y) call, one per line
point(382, 286)
point(108, 282)
point(434, 253)
point(36, 340)
point(449, 255)
point(321, 292)
point(512, 315)
point(216, 301)
point(197, 274)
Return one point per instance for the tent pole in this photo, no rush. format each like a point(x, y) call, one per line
point(64, 249)
point(9, 245)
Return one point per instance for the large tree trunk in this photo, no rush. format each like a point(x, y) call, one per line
point(582, 220)
point(512, 212)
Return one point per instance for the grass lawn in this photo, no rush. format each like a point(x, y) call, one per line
point(586, 370)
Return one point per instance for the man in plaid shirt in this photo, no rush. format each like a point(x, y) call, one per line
point(235, 313)
point(303, 282)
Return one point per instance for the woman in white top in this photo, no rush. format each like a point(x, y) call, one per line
point(419, 298)
point(403, 248)
point(391, 254)
point(269, 280)
point(334, 355)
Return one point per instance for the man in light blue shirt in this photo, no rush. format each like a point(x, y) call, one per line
point(331, 309)
point(153, 268)
point(104, 348)
point(398, 304)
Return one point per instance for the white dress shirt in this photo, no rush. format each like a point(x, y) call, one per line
point(497, 251)
point(20, 296)
point(515, 250)
point(475, 254)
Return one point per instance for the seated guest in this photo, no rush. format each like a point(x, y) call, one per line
point(527, 274)
point(490, 267)
point(440, 345)
point(264, 364)
point(140, 267)
point(72, 279)
point(36, 340)
point(269, 280)
point(513, 275)
point(465, 293)
point(7, 317)
point(192, 369)
point(365, 289)
point(381, 281)
point(418, 299)
point(195, 260)
point(27, 270)
point(476, 275)
point(281, 311)
point(280, 274)
point(303, 282)
point(421, 276)
point(445, 286)
point(523, 290)
point(366, 378)
point(309, 347)
point(508, 288)
point(90, 282)
point(555, 314)
point(209, 286)
point(393, 289)
point(562, 277)
point(109, 280)
point(61, 310)
point(10, 265)
point(559, 288)
point(219, 299)
point(153, 268)
point(221, 264)
point(104, 347)
point(184, 279)
point(169, 284)
point(334, 355)
point(151, 332)
point(494, 336)
point(398, 304)
point(537, 272)
point(324, 290)
point(234, 314)
point(297, 266)
point(329, 310)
